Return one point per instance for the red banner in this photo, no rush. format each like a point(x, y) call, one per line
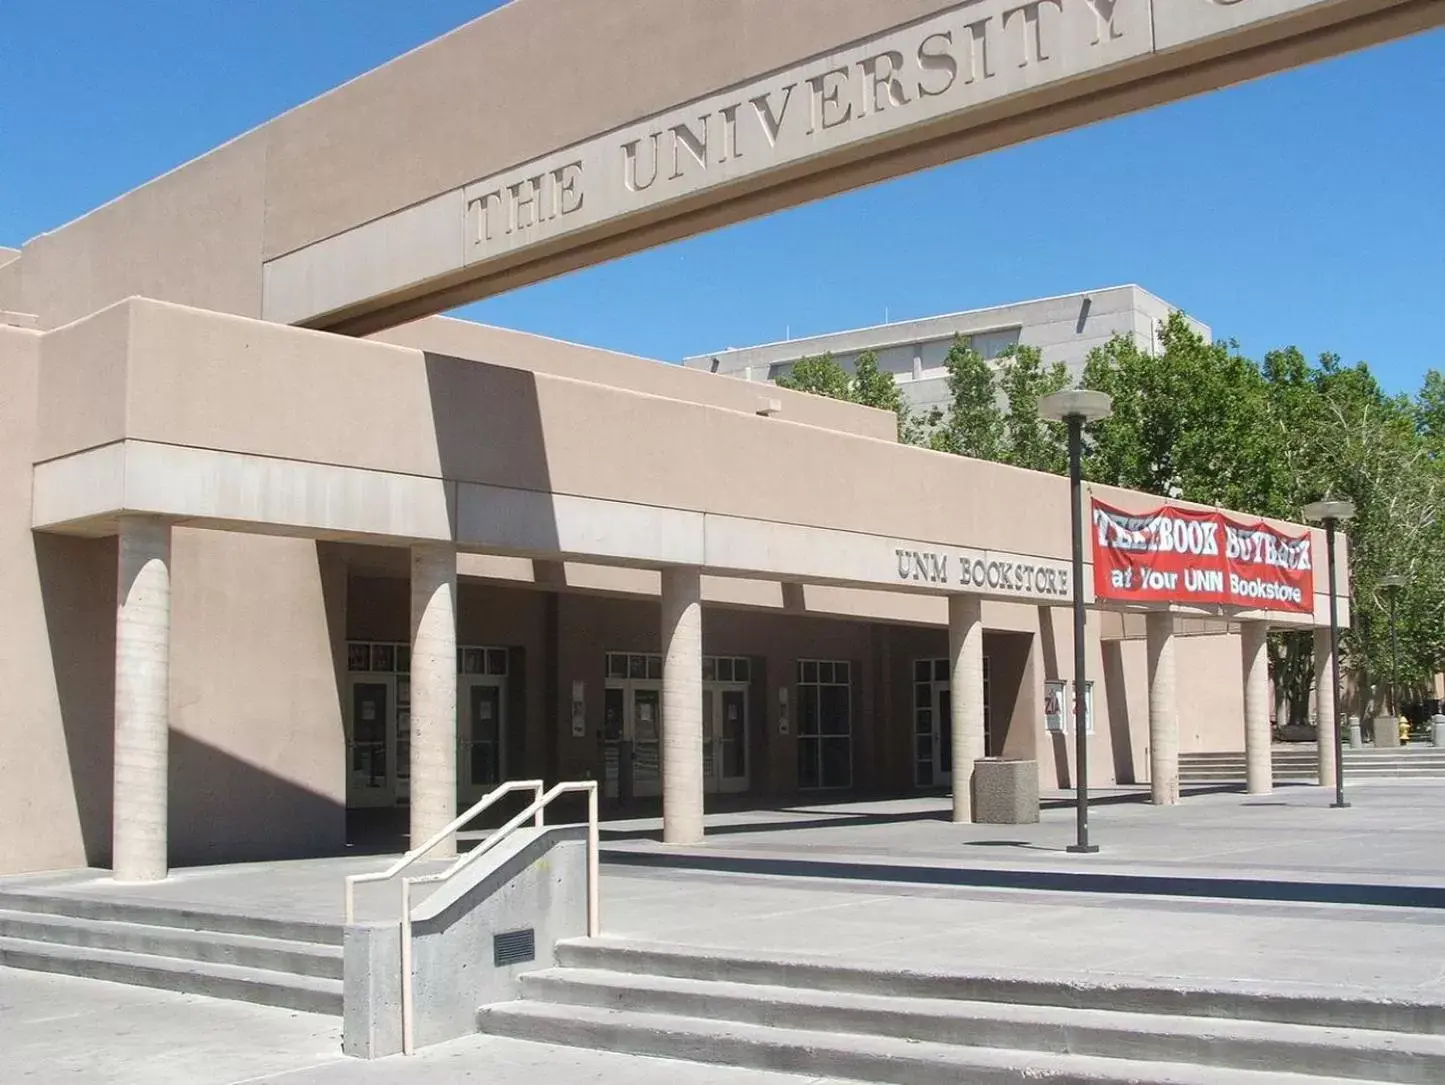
point(1187, 556)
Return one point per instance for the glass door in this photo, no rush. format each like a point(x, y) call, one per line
point(942, 736)
point(480, 738)
point(646, 726)
point(725, 738)
point(370, 756)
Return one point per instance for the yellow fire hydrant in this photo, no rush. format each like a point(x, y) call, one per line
point(1404, 731)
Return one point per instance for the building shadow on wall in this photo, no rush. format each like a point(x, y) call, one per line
point(77, 587)
point(490, 433)
point(225, 810)
point(1121, 726)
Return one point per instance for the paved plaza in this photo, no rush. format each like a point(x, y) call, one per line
point(1387, 838)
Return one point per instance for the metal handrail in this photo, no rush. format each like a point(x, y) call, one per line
point(594, 925)
point(490, 799)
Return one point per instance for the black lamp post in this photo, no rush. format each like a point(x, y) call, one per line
point(1331, 514)
point(1392, 585)
point(1074, 407)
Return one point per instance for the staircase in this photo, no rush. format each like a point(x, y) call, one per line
point(269, 961)
point(1301, 762)
point(829, 1020)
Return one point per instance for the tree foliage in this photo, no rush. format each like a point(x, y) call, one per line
point(1199, 421)
point(868, 385)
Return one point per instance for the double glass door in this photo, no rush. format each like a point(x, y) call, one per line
point(378, 752)
point(378, 722)
point(632, 738)
point(480, 737)
point(725, 738)
point(933, 722)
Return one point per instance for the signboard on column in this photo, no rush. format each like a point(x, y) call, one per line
point(1199, 557)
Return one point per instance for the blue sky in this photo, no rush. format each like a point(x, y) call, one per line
point(1305, 209)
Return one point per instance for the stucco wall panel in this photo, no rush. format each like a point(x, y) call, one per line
point(257, 741)
point(57, 636)
point(83, 391)
point(211, 381)
point(500, 346)
point(192, 236)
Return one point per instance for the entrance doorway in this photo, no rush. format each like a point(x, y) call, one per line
point(481, 738)
point(933, 723)
point(632, 725)
point(378, 723)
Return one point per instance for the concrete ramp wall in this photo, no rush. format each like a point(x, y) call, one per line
point(470, 942)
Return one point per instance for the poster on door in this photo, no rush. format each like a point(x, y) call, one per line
point(1199, 556)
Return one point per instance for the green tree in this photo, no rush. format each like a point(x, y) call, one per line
point(819, 375)
point(974, 423)
point(1032, 441)
point(870, 386)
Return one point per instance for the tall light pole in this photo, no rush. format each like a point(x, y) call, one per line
point(1074, 407)
point(1331, 514)
point(1392, 585)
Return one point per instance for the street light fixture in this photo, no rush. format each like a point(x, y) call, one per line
point(1392, 585)
point(1074, 407)
point(1331, 514)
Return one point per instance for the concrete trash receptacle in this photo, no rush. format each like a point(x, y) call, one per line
point(1437, 730)
point(1357, 740)
point(1005, 791)
point(1387, 731)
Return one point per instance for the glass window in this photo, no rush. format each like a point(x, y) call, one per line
point(742, 670)
point(709, 669)
point(358, 657)
point(922, 671)
point(807, 710)
point(636, 666)
point(496, 661)
point(824, 715)
point(940, 670)
point(403, 659)
point(837, 762)
point(808, 763)
point(833, 709)
point(724, 670)
point(474, 661)
point(654, 666)
point(383, 657)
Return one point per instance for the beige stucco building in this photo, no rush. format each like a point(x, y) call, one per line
point(1063, 329)
point(258, 575)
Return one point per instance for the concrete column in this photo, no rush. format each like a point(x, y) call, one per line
point(681, 706)
point(433, 691)
point(1258, 752)
point(965, 687)
point(1325, 706)
point(1163, 711)
point(142, 700)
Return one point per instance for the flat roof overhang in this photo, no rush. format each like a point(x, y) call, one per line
point(223, 422)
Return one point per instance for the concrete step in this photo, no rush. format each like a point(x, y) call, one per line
point(272, 988)
point(1345, 1010)
point(216, 947)
point(1061, 1030)
point(157, 915)
point(844, 1055)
